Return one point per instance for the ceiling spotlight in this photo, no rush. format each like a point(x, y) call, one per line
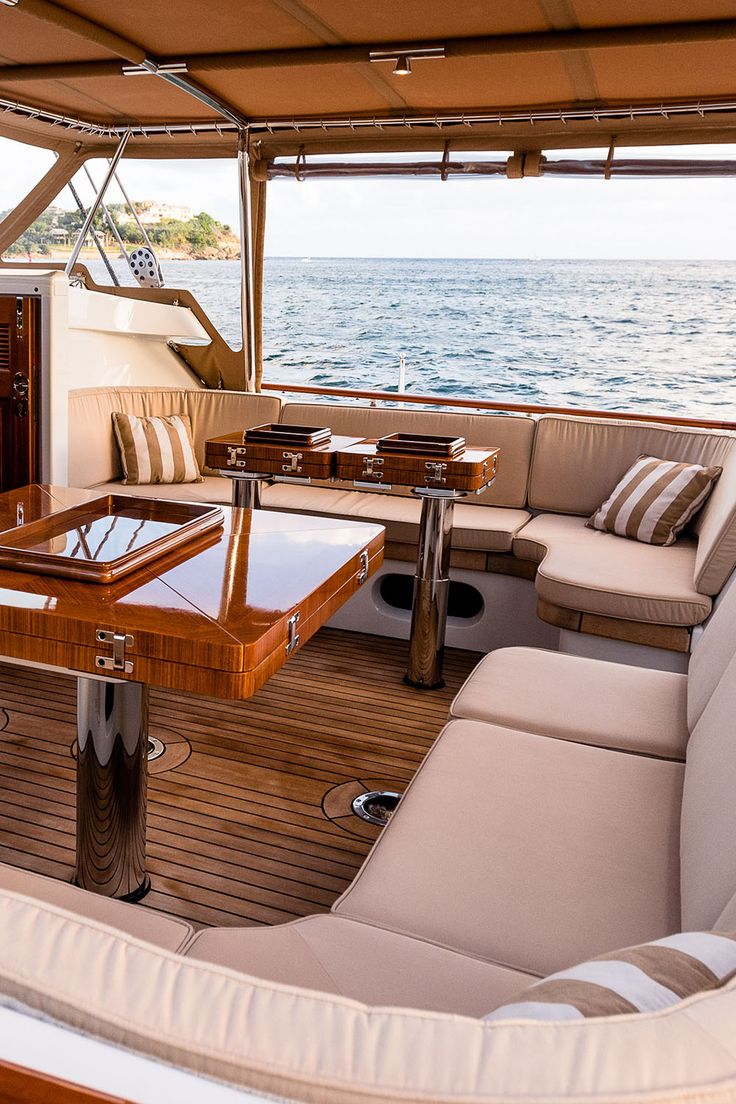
point(403, 56)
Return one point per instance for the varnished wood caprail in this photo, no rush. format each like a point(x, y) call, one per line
point(494, 404)
point(19, 1085)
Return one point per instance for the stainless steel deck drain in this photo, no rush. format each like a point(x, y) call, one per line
point(156, 748)
point(376, 806)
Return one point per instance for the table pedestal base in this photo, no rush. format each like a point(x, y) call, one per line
point(112, 776)
point(431, 590)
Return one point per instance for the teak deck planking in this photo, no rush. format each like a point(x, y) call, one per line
point(237, 833)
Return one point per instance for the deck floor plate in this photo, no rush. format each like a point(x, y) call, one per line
point(237, 833)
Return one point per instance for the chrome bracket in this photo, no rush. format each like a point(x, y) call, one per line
point(117, 661)
point(20, 514)
point(363, 573)
point(234, 457)
point(434, 471)
point(293, 465)
point(293, 641)
point(371, 463)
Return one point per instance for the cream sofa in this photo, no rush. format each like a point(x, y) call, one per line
point(514, 852)
point(553, 472)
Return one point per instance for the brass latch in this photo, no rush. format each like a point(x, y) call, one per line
point(293, 465)
point(234, 457)
point(372, 462)
point(434, 472)
point(293, 640)
point(117, 661)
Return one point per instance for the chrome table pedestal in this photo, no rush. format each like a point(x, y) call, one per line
point(246, 488)
point(431, 589)
point(112, 777)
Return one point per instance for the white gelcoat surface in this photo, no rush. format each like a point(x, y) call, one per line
point(59, 1052)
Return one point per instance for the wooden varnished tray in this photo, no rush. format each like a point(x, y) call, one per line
point(425, 444)
point(279, 433)
point(104, 540)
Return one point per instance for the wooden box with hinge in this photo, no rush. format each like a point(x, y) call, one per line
point(217, 617)
point(231, 453)
point(471, 470)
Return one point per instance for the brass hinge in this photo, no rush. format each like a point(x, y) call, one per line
point(117, 661)
point(19, 316)
point(434, 472)
point(363, 573)
point(293, 640)
point(371, 463)
point(233, 457)
point(293, 465)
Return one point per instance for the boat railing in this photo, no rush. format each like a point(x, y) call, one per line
point(497, 405)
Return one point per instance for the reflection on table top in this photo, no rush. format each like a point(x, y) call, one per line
point(220, 602)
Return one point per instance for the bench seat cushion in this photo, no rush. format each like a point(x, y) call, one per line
point(525, 851)
point(574, 698)
point(136, 920)
point(213, 488)
point(367, 963)
point(582, 569)
point(491, 529)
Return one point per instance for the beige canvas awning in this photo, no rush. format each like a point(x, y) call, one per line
point(515, 74)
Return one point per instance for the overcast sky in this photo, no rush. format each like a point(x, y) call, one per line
point(428, 218)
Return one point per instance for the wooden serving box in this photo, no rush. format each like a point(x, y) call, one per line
point(106, 539)
point(231, 454)
point(472, 470)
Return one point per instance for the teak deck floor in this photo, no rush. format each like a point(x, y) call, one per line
point(254, 826)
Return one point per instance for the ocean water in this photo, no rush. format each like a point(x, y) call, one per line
point(627, 335)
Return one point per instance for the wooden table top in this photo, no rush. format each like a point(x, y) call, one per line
point(211, 618)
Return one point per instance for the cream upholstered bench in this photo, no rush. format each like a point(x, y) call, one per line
point(598, 582)
point(93, 456)
point(510, 856)
point(553, 474)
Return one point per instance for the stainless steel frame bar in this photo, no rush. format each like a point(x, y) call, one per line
point(96, 204)
point(112, 776)
point(431, 589)
point(247, 300)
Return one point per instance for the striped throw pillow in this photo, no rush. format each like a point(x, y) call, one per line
point(655, 500)
point(639, 979)
point(156, 450)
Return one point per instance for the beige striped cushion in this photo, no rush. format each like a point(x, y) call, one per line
point(655, 500)
point(156, 450)
point(639, 979)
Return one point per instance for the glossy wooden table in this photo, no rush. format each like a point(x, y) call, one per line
point(217, 618)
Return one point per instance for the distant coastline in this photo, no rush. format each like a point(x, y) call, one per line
point(175, 233)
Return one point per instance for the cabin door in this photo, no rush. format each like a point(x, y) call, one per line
point(19, 358)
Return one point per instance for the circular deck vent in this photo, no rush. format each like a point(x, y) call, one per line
point(376, 806)
point(156, 748)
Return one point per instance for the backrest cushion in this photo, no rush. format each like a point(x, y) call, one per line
point(513, 435)
point(577, 461)
point(711, 655)
point(654, 500)
point(93, 455)
point(708, 829)
point(646, 978)
point(716, 526)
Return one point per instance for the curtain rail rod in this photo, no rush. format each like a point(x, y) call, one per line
point(498, 405)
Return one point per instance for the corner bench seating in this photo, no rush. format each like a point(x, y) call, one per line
point(513, 853)
point(554, 471)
